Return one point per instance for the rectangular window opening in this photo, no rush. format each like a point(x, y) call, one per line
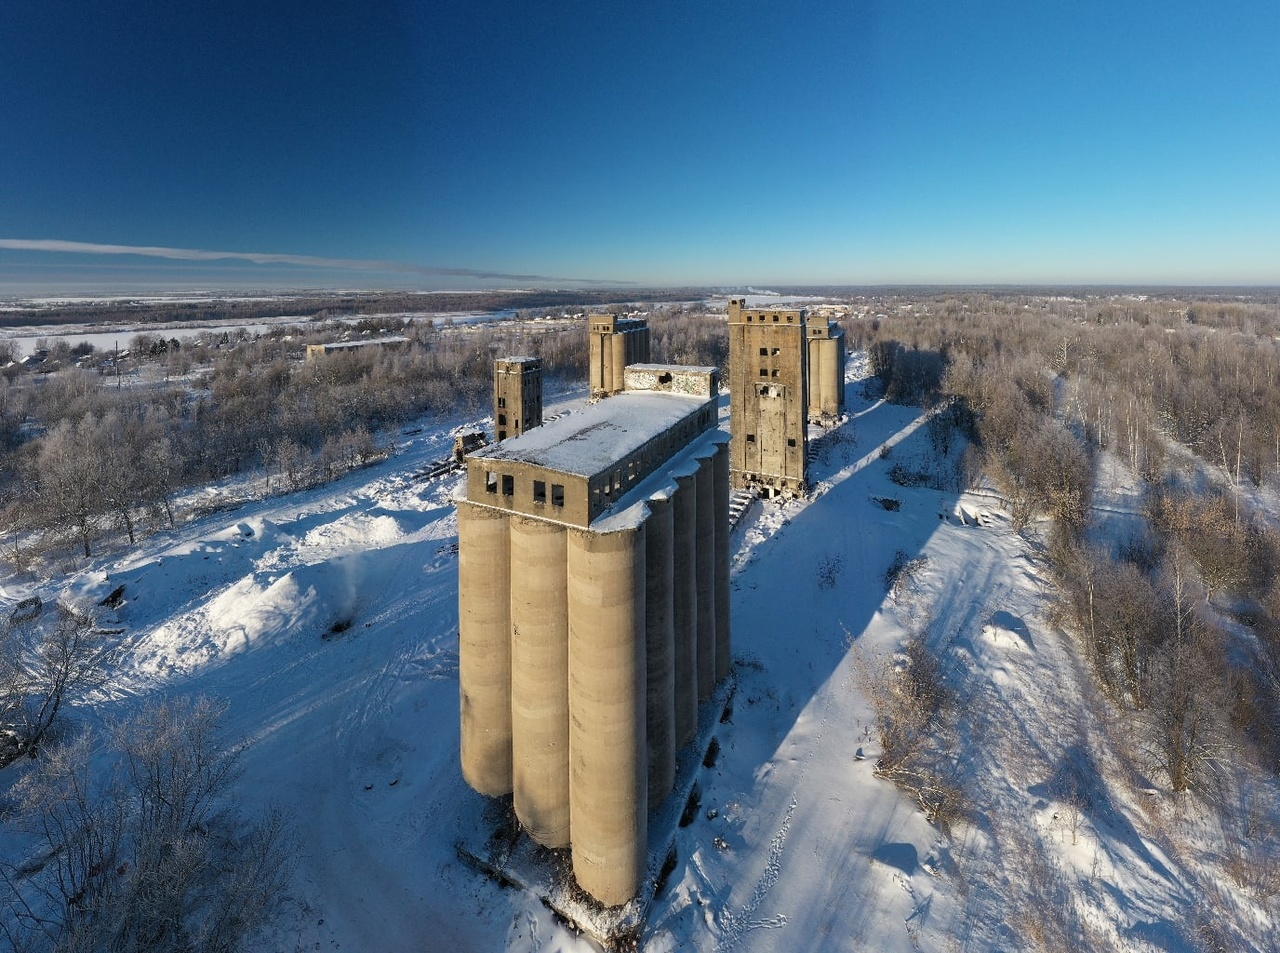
point(751, 438)
point(557, 494)
point(791, 441)
point(764, 372)
point(540, 491)
point(491, 482)
point(764, 351)
point(502, 402)
point(508, 485)
point(502, 420)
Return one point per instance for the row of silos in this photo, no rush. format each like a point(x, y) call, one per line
point(615, 344)
point(826, 374)
point(583, 656)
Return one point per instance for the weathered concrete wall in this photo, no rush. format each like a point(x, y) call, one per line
point(768, 399)
point(540, 679)
point(724, 645)
point(685, 607)
point(705, 571)
point(694, 381)
point(660, 636)
point(484, 648)
point(608, 752)
point(517, 396)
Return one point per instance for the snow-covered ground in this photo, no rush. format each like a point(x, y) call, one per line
point(328, 622)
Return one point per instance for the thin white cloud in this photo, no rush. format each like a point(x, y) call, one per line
point(260, 258)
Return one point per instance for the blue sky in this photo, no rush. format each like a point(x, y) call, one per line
point(657, 143)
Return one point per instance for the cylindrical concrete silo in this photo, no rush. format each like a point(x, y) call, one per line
point(608, 754)
point(540, 679)
point(705, 568)
point(724, 644)
point(484, 648)
point(660, 634)
point(684, 584)
point(619, 342)
point(832, 376)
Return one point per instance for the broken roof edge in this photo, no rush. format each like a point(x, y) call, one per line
point(684, 368)
point(632, 508)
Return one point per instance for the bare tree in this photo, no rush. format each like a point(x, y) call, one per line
point(153, 856)
point(42, 669)
point(1188, 684)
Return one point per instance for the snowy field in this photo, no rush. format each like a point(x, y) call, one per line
point(328, 622)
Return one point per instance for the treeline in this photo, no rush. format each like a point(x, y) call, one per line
point(1182, 621)
point(323, 306)
point(80, 456)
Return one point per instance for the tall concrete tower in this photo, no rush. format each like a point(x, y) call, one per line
point(517, 395)
point(768, 399)
point(593, 614)
point(826, 359)
point(616, 343)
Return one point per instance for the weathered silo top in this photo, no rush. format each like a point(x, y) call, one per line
point(675, 378)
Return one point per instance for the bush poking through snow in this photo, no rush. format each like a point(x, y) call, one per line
point(908, 694)
point(901, 571)
point(829, 571)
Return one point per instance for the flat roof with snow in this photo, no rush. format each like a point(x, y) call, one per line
point(593, 441)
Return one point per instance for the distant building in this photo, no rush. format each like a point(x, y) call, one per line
point(594, 614)
point(615, 343)
point(517, 395)
point(319, 350)
point(825, 363)
point(768, 399)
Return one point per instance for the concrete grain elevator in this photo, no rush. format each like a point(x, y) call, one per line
point(593, 613)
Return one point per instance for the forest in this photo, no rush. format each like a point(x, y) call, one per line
point(1179, 615)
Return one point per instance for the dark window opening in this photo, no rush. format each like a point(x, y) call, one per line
point(502, 402)
point(502, 420)
point(764, 372)
point(764, 351)
point(775, 372)
point(508, 485)
point(751, 438)
point(777, 351)
point(540, 491)
point(557, 494)
point(791, 441)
